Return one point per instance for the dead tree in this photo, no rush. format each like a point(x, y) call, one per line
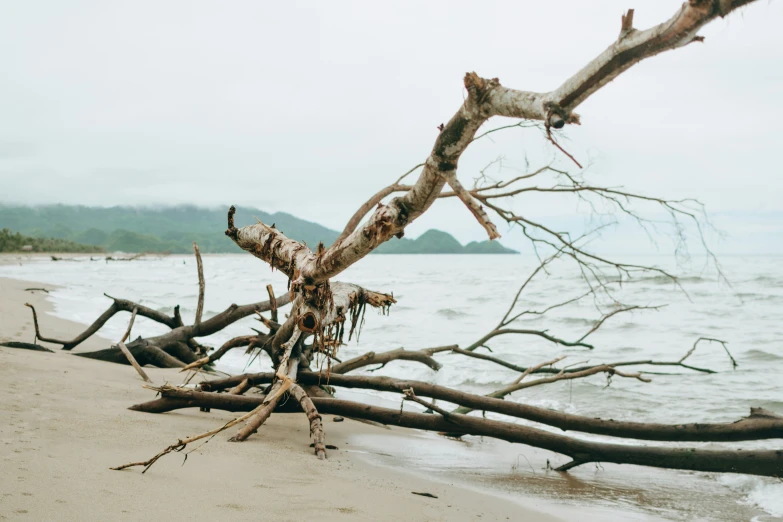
point(322, 309)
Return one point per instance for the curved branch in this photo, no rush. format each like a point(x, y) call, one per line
point(522, 331)
point(501, 362)
point(383, 358)
point(236, 342)
point(179, 332)
point(372, 202)
point(633, 46)
point(603, 368)
point(217, 322)
point(485, 98)
point(119, 305)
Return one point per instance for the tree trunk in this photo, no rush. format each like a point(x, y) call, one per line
point(763, 462)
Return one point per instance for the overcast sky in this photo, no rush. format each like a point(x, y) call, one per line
point(310, 107)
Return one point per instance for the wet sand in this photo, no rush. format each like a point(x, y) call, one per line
point(65, 422)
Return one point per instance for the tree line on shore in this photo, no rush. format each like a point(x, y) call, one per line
point(16, 242)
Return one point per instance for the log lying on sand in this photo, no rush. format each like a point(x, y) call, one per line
point(145, 354)
point(753, 462)
point(761, 424)
point(26, 346)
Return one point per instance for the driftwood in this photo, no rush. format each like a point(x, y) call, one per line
point(26, 346)
point(761, 424)
point(132, 360)
point(145, 354)
point(316, 428)
point(766, 463)
point(175, 349)
point(372, 358)
point(128, 355)
point(179, 332)
point(324, 313)
point(236, 342)
point(201, 285)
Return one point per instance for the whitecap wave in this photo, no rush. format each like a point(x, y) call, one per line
point(765, 494)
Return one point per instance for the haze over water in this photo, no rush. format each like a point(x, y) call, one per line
point(447, 299)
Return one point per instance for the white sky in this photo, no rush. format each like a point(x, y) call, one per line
point(310, 107)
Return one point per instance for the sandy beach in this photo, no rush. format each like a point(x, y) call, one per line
point(66, 422)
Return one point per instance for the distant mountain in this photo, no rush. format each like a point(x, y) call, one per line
point(173, 229)
point(148, 229)
point(439, 242)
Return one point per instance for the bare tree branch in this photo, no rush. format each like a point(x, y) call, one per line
point(201, 285)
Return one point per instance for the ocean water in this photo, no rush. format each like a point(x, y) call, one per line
point(456, 299)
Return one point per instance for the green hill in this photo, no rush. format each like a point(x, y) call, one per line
point(439, 242)
point(10, 242)
point(145, 229)
point(173, 229)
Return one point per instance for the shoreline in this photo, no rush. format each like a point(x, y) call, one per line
point(68, 422)
point(492, 469)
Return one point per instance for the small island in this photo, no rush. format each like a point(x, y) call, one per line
point(439, 242)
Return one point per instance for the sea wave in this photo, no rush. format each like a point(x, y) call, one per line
point(442, 308)
point(753, 296)
point(762, 356)
point(451, 313)
point(766, 494)
point(581, 321)
point(662, 279)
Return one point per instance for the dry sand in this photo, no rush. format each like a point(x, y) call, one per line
point(65, 422)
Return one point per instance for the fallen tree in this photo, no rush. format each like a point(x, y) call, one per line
point(765, 462)
point(761, 424)
point(323, 309)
